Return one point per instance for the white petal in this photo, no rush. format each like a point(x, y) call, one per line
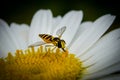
point(21, 34)
point(41, 23)
point(72, 21)
point(105, 53)
point(56, 21)
point(82, 28)
point(106, 71)
point(7, 40)
point(89, 37)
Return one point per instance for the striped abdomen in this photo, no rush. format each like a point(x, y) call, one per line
point(46, 37)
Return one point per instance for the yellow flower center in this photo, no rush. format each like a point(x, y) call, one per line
point(41, 65)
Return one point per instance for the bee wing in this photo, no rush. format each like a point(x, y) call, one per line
point(60, 31)
point(37, 44)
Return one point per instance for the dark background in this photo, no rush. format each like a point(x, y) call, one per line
point(22, 11)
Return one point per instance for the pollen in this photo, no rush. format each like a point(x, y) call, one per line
point(40, 64)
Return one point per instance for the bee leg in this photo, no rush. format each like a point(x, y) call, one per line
point(47, 46)
point(54, 48)
point(63, 49)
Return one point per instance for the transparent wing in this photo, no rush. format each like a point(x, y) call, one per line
point(60, 31)
point(37, 44)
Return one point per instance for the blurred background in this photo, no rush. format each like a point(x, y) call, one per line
point(22, 11)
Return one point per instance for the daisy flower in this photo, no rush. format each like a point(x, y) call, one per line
point(90, 53)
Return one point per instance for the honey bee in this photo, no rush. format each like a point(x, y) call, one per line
point(56, 41)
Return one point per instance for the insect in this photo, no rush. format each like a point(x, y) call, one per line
point(56, 41)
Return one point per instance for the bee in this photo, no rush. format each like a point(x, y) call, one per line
point(55, 41)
